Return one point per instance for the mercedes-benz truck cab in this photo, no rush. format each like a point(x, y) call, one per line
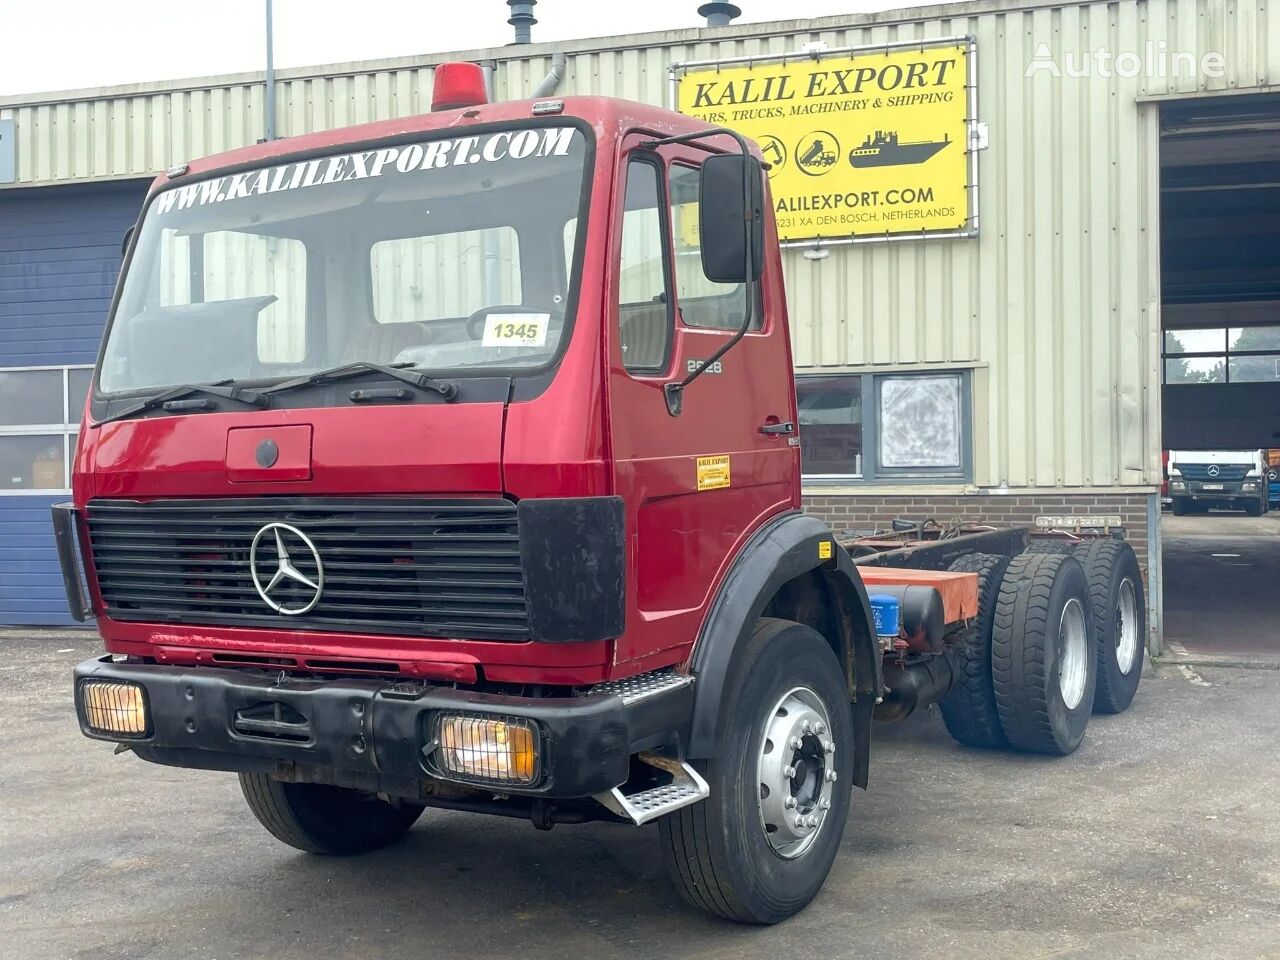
point(1226, 479)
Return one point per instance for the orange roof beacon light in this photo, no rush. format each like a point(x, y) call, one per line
point(458, 85)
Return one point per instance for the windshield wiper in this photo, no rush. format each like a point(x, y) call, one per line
point(420, 381)
point(173, 401)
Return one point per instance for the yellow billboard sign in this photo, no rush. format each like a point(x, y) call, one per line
point(862, 144)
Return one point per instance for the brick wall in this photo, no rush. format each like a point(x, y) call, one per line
point(867, 512)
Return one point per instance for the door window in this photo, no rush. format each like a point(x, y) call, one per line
point(644, 303)
point(702, 302)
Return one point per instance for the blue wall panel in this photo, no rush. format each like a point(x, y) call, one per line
point(31, 590)
point(59, 256)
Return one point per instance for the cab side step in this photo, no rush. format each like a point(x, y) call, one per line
point(686, 787)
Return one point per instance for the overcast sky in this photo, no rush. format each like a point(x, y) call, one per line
point(68, 44)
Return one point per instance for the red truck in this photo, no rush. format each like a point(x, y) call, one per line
point(451, 462)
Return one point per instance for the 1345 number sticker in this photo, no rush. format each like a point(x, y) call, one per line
point(515, 330)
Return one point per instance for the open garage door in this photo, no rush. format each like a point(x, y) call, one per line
point(59, 257)
point(1220, 266)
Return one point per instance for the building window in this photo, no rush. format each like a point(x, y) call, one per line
point(40, 411)
point(884, 427)
point(1222, 355)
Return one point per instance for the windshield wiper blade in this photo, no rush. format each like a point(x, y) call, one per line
point(169, 399)
point(420, 381)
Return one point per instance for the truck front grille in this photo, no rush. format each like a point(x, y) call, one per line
point(1226, 471)
point(440, 568)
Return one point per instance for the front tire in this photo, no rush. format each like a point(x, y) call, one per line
point(1179, 506)
point(760, 847)
point(317, 818)
point(1043, 654)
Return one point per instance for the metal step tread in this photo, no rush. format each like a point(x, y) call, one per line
point(686, 787)
point(644, 685)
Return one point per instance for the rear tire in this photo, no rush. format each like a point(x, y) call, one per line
point(1119, 620)
point(1063, 548)
point(1253, 508)
point(321, 819)
point(721, 853)
point(1043, 654)
point(1179, 506)
point(969, 710)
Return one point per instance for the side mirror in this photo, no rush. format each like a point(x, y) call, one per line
point(731, 208)
point(124, 242)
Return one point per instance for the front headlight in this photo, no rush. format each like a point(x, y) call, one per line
point(487, 749)
point(114, 708)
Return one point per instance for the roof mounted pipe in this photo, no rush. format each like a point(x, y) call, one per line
point(522, 19)
point(551, 81)
point(719, 14)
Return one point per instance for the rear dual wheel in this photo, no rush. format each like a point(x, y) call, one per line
point(969, 709)
point(1117, 606)
point(1043, 654)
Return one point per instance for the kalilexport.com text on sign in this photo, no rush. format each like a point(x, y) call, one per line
point(861, 143)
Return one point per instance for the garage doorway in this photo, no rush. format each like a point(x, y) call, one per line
point(1220, 358)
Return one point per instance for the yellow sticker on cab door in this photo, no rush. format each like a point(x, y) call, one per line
point(713, 472)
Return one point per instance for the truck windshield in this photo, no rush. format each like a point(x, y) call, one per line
point(452, 255)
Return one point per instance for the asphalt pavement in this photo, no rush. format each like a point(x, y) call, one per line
point(1159, 838)
point(1222, 585)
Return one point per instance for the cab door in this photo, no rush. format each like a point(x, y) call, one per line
point(695, 485)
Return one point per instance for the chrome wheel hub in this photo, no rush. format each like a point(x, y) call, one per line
point(1126, 627)
point(1073, 660)
point(796, 771)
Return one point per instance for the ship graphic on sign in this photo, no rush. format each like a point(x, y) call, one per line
point(886, 150)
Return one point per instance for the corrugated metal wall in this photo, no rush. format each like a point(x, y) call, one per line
point(1055, 305)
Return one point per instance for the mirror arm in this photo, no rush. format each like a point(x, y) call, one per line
point(674, 392)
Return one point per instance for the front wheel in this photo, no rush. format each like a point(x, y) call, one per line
point(1179, 506)
point(318, 818)
point(760, 847)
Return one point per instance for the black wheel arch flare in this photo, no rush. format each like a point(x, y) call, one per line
point(785, 548)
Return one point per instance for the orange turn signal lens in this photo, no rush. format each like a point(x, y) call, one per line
point(491, 750)
point(115, 708)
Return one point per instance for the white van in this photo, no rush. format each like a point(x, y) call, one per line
point(1231, 479)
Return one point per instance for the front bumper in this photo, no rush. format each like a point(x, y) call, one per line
point(378, 729)
point(1209, 490)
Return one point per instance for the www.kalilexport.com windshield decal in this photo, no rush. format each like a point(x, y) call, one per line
point(367, 164)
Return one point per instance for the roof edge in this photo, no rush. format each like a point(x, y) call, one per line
point(660, 38)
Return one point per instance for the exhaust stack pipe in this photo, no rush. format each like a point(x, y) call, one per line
point(719, 14)
point(522, 19)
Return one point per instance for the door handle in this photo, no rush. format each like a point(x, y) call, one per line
point(773, 429)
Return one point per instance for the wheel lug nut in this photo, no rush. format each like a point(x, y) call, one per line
point(800, 823)
point(824, 804)
point(819, 727)
point(796, 743)
point(831, 776)
point(828, 745)
point(788, 772)
point(806, 727)
point(789, 803)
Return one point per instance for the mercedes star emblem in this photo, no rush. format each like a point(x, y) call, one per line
point(1213, 470)
point(281, 537)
